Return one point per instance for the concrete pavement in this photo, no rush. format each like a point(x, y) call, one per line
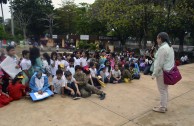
point(125, 105)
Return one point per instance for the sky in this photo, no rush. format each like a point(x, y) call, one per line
point(56, 4)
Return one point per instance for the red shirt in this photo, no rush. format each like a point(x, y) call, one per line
point(15, 91)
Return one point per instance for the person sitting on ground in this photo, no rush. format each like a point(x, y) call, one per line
point(39, 83)
point(105, 74)
point(134, 71)
point(103, 57)
point(71, 88)
point(4, 98)
point(11, 53)
point(92, 80)
point(149, 62)
point(127, 74)
point(71, 66)
point(15, 89)
point(58, 82)
point(116, 75)
point(26, 66)
point(85, 88)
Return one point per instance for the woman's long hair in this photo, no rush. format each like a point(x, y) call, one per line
point(34, 54)
point(47, 57)
point(165, 38)
point(52, 55)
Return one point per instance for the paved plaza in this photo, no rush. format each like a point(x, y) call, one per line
point(125, 105)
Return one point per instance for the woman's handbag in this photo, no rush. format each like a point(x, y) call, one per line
point(172, 77)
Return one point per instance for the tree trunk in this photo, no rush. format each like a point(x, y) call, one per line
point(24, 34)
point(12, 23)
point(2, 16)
point(145, 27)
point(181, 43)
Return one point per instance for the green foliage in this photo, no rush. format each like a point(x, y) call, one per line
point(31, 12)
point(86, 45)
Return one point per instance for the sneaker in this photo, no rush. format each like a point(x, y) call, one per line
point(75, 97)
point(102, 96)
point(78, 97)
point(160, 109)
point(115, 82)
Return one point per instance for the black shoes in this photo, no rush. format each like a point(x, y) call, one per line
point(102, 96)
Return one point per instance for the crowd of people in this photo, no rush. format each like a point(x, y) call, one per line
point(84, 73)
point(77, 75)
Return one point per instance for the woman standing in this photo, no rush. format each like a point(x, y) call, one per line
point(164, 60)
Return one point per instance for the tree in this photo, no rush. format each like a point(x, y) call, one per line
point(24, 11)
point(66, 20)
point(3, 2)
point(1, 20)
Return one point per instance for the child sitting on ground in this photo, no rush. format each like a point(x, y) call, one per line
point(71, 66)
point(85, 88)
point(116, 75)
point(58, 82)
point(4, 98)
point(71, 87)
point(15, 89)
point(39, 83)
point(134, 71)
point(126, 74)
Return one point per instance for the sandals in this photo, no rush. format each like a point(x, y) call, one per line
point(160, 109)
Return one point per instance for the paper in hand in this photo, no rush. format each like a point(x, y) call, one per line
point(8, 65)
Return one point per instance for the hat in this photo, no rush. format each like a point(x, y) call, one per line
point(62, 65)
point(20, 77)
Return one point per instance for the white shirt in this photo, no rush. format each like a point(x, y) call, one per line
point(71, 69)
point(186, 58)
point(45, 64)
point(164, 59)
point(57, 47)
point(58, 84)
point(76, 61)
point(182, 59)
point(12, 43)
point(40, 82)
point(107, 73)
point(83, 61)
point(25, 64)
point(93, 72)
point(116, 73)
point(69, 81)
point(64, 62)
point(53, 69)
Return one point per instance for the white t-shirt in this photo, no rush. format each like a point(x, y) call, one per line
point(107, 73)
point(93, 72)
point(69, 81)
point(25, 64)
point(83, 61)
point(116, 73)
point(53, 69)
point(64, 62)
point(57, 47)
point(182, 59)
point(58, 84)
point(45, 64)
point(76, 61)
point(71, 69)
point(40, 82)
point(186, 58)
